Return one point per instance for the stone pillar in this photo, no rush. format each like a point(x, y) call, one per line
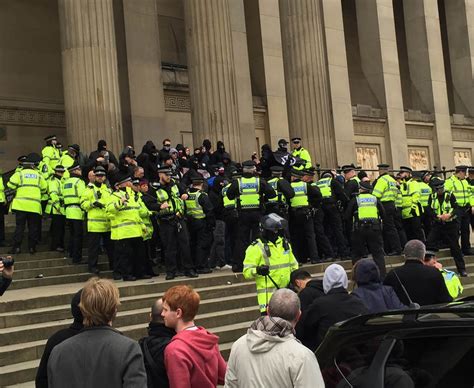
point(307, 78)
point(212, 83)
point(90, 75)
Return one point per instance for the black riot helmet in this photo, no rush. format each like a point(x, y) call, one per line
point(273, 223)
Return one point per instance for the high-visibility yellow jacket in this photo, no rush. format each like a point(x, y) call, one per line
point(54, 197)
point(281, 262)
point(72, 190)
point(385, 188)
point(460, 188)
point(410, 191)
point(2, 191)
point(51, 156)
point(66, 161)
point(30, 186)
point(303, 154)
point(97, 221)
point(425, 193)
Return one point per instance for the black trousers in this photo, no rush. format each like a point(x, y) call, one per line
point(333, 221)
point(231, 234)
point(369, 238)
point(247, 232)
point(449, 232)
point(22, 219)
point(2, 223)
point(302, 235)
point(400, 229)
point(200, 236)
point(129, 257)
point(75, 241)
point(93, 244)
point(413, 229)
point(391, 239)
point(58, 225)
point(464, 220)
point(426, 222)
point(174, 234)
point(322, 241)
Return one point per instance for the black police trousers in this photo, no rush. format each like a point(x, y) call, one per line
point(249, 221)
point(33, 220)
point(333, 220)
point(391, 239)
point(231, 220)
point(464, 220)
point(413, 228)
point(369, 237)
point(129, 257)
point(3, 207)
point(58, 225)
point(175, 244)
point(302, 235)
point(448, 232)
point(200, 236)
point(75, 242)
point(322, 241)
point(93, 243)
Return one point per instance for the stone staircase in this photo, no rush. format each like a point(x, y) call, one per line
point(34, 308)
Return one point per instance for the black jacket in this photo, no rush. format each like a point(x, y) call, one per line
point(312, 291)
point(149, 160)
point(424, 284)
point(159, 336)
point(4, 284)
point(55, 339)
point(338, 305)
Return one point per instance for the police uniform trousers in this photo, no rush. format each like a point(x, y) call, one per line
point(174, 234)
point(217, 254)
point(58, 225)
point(200, 238)
point(333, 221)
point(391, 239)
point(464, 219)
point(426, 222)
point(368, 237)
point(448, 232)
point(413, 228)
point(129, 257)
point(302, 235)
point(249, 220)
point(75, 241)
point(23, 218)
point(94, 243)
point(231, 220)
point(3, 210)
point(322, 241)
point(400, 229)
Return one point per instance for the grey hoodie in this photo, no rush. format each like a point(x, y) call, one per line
point(258, 360)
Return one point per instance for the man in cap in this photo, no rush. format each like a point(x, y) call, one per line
point(94, 200)
point(285, 192)
point(443, 209)
point(269, 259)
point(386, 191)
point(29, 186)
point(55, 208)
point(351, 180)
point(458, 185)
point(201, 223)
point(425, 193)
point(69, 158)
point(250, 193)
point(50, 153)
point(72, 190)
point(411, 208)
point(364, 213)
point(20, 161)
point(300, 153)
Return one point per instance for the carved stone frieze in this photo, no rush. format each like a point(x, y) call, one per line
point(463, 134)
point(40, 118)
point(462, 156)
point(419, 131)
point(369, 128)
point(419, 158)
point(177, 102)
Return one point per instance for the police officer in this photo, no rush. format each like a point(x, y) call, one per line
point(201, 222)
point(458, 185)
point(173, 229)
point(72, 190)
point(69, 158)
point(351, 180)
point(93, 202)
point(385, 190)
point(250, 193)
point(301, 222)
point(411, 208)
point(301, 154)
point(443, 208)
point(364, 213)
point(29, 186)
point(230, 216)
point(269, 259)
point(55, 208)
point(453, 284)
point(425, 194)
point(125, 211)
point(148, 196)
point(3, 211)
point(20, 161)
point(285, 192)
point(51, 155)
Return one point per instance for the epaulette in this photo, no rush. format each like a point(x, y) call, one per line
point(254, 242)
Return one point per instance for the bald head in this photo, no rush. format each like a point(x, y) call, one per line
point(285, 304)
point(414, 249)
point(156, 310)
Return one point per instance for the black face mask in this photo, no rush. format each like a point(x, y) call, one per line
point(98, 184)
point(270, 236)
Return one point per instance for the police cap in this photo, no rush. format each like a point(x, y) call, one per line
point(74, 147)
point(461, 167)
point(99, 171)
point(383, 165)
point(32, 158)
point(348, 167)
point(75, 166)
point(365, 185)
point(50, 137)
point(405, 169)
point(59, 168)
point(164, 170)
point(273, 222)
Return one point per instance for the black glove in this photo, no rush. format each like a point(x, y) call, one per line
point(263, 270)
point(98, 204)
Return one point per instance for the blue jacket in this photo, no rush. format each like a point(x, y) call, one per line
point(376, 297)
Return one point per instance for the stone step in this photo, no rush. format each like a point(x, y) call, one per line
point(53, 280)
point(34, 263)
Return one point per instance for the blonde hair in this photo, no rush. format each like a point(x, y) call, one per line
point(100, 299)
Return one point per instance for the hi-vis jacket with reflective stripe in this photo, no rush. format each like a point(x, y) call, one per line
point(126, 219)
point(460, 188)
point(97, 221)
point(385, 188)
point(72, 190)
point(54, 196)
point(281, 262)
point(30, 186)
point(2, 191)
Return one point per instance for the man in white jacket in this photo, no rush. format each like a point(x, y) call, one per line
point(269, 355)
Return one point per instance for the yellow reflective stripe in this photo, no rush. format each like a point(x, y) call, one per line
point(279, 266)
point(125, 224)
point(28, 199)
point(96, 220)
point(249, 266)
point(262, 248)
point(266, 290)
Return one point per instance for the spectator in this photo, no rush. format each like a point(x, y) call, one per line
point(58, 337)
point(153, 347)
point(127, 161)
point(6, 278)
point(99, 356)
point(149, 160)
point(308, 289)
point(336, 306)
point(192, 358)
point(218, 155)
point(425, 285)
point(269, 355)
point(376, 297)
point(101, 156)
point(165, 151)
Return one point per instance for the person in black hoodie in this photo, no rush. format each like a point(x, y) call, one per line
point(218, 155)
point(307, 288)
point(153, 347)
point(101, 156)
point(57, 338)
point(149, 160)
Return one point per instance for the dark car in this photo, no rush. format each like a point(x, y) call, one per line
point(429, 347)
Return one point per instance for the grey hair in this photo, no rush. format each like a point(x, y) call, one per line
point(414, 249)
point(284, 304)
point(156, 310)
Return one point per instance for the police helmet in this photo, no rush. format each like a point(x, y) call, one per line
point(273, 222)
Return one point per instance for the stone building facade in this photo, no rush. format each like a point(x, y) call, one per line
point(358, 80)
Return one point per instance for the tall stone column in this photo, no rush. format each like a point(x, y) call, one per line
point(211, 70)
point(90, 74)
point(307, 78)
